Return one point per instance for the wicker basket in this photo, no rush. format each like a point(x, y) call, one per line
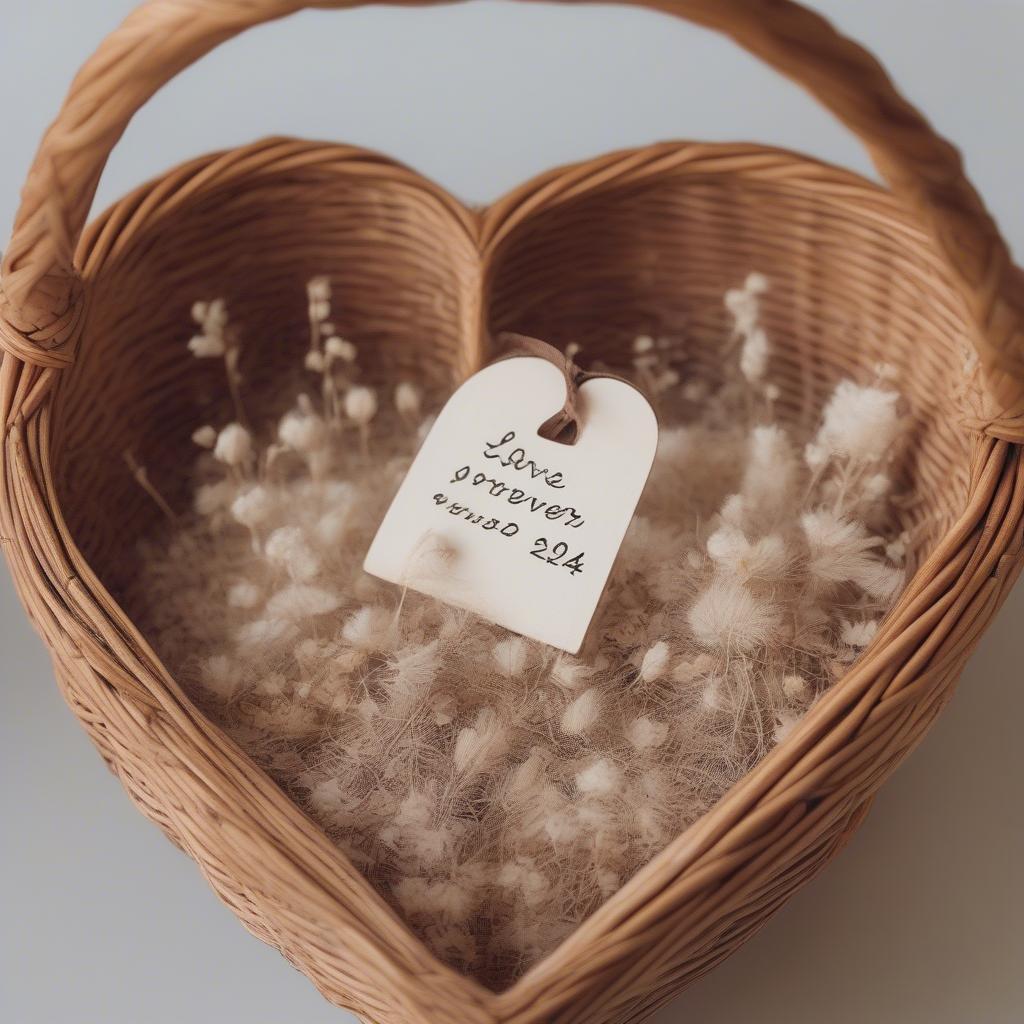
point(91, 322)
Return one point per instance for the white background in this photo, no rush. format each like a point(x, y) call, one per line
point(921, 919)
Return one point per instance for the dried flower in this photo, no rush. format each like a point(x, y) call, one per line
point(642, 733)
point(407, 400)
point(654, 662)
point(361, 405)
point(234, 446)
point(204, 437)
point(599, 778)
point(287, 547)
point(581, 715)
point(339, 348)
point(859, 422)
point(509, 656)
point(729, 617)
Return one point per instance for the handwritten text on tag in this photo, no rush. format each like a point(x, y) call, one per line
point(529, 527)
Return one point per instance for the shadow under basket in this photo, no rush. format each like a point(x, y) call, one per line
point(92, 323)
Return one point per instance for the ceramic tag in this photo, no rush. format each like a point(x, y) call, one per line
point(524, 531)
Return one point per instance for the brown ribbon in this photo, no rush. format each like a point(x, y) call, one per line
point(564, 425)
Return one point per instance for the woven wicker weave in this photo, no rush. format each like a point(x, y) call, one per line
point(91, 321)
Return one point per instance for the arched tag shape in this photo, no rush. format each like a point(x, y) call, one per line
point(522, 530)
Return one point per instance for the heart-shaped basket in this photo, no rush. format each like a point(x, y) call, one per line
point(91, 330)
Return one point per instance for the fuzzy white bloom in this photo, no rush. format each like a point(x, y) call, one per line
point(206, 346)
point(561, 827)
point(369, 629)
point(582, 714)
point(756, 283)
point(859, 422)
point(896, 550)
point(300, 601)
point(642, 344)
point(754, 355)
point(413, 670)
point(841, 551)
point(340, 348)
point(770, 473)
point(318, 288)
point(253, 506)
point(795, 687)
point(525, 778)
point(876, 487)
point(204, 437)
point(764, 559)
point(244, 594)
point(302, 431)
point(287, 547)
point(234, 445)
point(599, 778)
point(212, 317)
point(264, 632)
point(509, 656)
point(314, 361)
point(407, 400)
point(643, 733)
point(332, 526)
point(479, 744)
point(734, 511)
point(213, 498)
point(220, 676)
point(568, 673)
point(361, 405)
point(728, 616)
point(713, 696)
point(523, 876)
point(858, 634)
point(785, 723)
point(654, 662)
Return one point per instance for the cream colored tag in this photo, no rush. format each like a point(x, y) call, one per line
point(497, 519)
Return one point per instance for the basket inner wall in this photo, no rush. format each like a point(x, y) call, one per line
point(852, 285)
point(403, 273)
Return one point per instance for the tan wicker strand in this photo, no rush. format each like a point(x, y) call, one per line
point(93, 365)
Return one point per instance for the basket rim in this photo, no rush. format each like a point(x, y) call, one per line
point(778, 781)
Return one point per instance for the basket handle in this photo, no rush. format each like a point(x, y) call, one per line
point(41, 301)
